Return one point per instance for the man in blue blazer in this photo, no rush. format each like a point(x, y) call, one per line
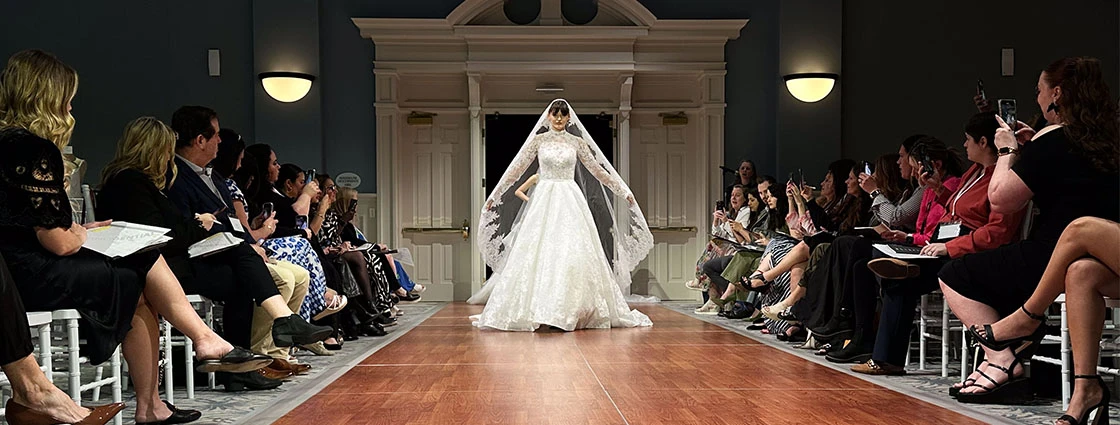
point(239, 276)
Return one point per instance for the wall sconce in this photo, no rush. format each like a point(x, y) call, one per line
point(810, 87)
point(286, 87)
point(678, 118)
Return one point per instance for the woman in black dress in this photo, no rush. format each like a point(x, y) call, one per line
point(118, 298)
point(1081, 145)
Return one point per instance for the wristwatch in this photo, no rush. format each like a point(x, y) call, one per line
point(1007, 150)
point(875, 193)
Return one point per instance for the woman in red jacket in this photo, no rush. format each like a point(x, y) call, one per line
point(966, 210)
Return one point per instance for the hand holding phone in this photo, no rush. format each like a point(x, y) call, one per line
point(866, 168)
point(309, 176)
point(266, 209)
point(1007, 112)
point(980, 90)
point(353, 205)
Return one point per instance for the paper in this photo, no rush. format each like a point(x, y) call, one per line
point(121, 239)
point(886, 249)
point(879, 229)
point(216, 243)
point(404, 256)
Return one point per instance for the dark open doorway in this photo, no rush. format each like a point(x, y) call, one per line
point(505, 134)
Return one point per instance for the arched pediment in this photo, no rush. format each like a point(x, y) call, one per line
point(611, 13)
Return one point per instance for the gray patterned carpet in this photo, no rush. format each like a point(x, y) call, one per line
point(262, 407)
point(926, 385)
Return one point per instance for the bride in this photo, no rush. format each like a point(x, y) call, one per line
point(562, 258)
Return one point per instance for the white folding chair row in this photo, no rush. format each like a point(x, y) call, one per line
point(167, 342)
point(1111, 331)
point(69, 318)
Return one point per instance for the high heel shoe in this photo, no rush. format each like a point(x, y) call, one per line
point(988, 338)
point(18, 414)
point(763, 288)
point(1101, 408)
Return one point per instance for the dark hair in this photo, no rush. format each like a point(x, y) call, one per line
point(190, 122)
point(1088, 110)
point(288, 173)
point(777, 216)
point(247, 177)
point(951, 164)
point(983, 125)
point(839, 170)
point(768, 179)
point(260, 155)
point(908, 143)
point(559, 107)
point(228, 151)
point(889, 178)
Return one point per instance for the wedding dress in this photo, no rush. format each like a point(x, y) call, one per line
point(552, 266)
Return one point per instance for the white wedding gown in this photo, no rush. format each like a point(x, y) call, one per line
point(556, 273)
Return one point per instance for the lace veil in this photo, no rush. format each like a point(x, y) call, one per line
point(625, 236)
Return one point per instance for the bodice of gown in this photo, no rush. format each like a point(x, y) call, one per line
point(557, 159)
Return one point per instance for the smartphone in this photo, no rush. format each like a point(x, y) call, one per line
point(866, 168)
point(266, 209)
point(1007, 112)
point(719, 205)
point(980, 89)
point(800, 178)
point(353, 205)
point(927, 165)
point(309, 176)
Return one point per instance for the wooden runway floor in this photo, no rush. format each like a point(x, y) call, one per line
point(680, 371)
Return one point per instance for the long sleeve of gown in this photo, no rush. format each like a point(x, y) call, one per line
point(611, 181)
point(521, 163)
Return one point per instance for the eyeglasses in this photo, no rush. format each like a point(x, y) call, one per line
point(332, 188)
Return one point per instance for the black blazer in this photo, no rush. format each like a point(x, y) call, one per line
point(191, 196)
point(131, 196)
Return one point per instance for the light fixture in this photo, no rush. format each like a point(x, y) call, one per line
point(286, 87)
point(810, 87)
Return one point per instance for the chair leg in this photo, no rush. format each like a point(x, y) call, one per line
point(922, 329)
point(944, 339)
point(115, 365)
point(188, 360)
point(98, 374)
point(964, 354)
point(209, 319)
point(45, 351)
point(75, 372)
point(1065, 350)
point(168, 371)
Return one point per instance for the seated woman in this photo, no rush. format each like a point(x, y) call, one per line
point(372, 268)
point(952, 203)
point(1081, 143)
point(35, 400)
point(291, 239)
point(719, 250)
point(119, 299)
point(839, 208)
point(1085, 266)
point(826, 306)
point(131, 191)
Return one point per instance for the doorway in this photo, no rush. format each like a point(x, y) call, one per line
point(505, 134)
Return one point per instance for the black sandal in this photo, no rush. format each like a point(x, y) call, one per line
point(1101, 408)
point(747, 281)
point(954, 390)
point(1014, 391)
point(988, 339)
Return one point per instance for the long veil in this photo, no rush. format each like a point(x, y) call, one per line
point(625, 237)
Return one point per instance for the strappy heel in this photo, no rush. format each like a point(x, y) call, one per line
point(1015, 390)
point(989, 340)
point(1100, 417)
point(757, 275)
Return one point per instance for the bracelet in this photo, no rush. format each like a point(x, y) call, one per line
point(1007, 150)
point(875, 193)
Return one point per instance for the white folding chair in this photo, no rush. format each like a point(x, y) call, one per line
point(168, 341)
point(69, 318)
point(40, 324)
point(1108, 349)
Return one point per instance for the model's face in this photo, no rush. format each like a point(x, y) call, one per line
point(904, 163)
point(559, 122)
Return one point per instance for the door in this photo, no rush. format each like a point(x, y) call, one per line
point(433, 201)
point(666, 180)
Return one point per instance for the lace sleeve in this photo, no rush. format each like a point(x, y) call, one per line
point(34, 176)
point(612, 182)
point(518, 166)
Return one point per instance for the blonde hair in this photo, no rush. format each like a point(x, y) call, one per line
point(35, 93)
point(342, 200)
point(147, 146)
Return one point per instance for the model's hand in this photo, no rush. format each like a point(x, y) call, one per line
point(630, 199)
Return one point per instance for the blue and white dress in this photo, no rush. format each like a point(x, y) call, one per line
point(298, 251)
